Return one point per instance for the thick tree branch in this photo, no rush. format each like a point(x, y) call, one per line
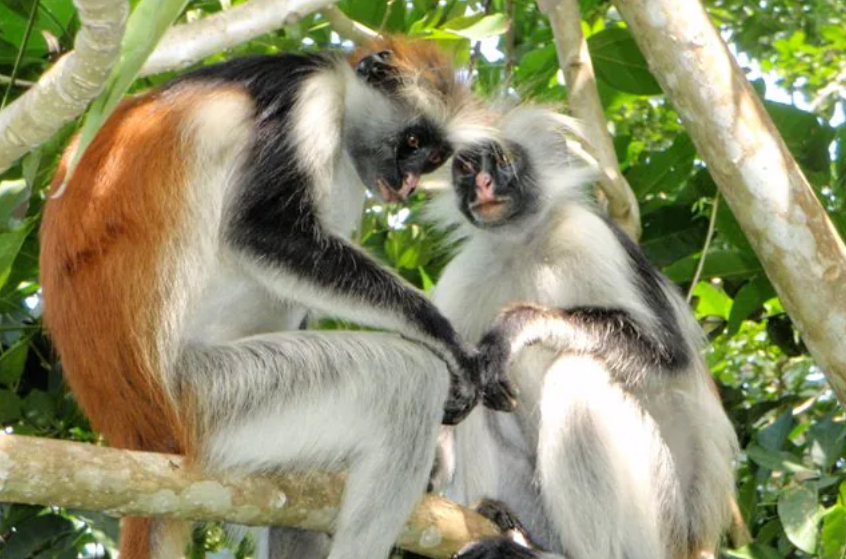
point(66, 89)
point(186, 44)
point(574, 59)
point(125, 483)
point(796, 242)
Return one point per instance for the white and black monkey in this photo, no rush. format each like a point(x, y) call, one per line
point(202, 221)
point(619, 448)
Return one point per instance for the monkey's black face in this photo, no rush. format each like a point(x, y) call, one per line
point(494, 184)
point(393, 165)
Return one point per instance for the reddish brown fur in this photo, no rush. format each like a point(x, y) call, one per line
point(419, 58)
point(101, 248)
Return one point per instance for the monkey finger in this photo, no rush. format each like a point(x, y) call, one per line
point(463, 397)
point(500, 396)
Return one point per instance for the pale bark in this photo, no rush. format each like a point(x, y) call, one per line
point(348, 28)
point(66, 89)
point(124, 483)
point(186, 44)
point(793, 237)
point(574, 59)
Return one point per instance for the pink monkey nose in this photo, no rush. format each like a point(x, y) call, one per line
point(485, 187)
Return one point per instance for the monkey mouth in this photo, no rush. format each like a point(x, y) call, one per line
point(406, 189)
point(490, 211)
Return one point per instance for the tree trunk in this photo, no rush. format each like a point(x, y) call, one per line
point(793, 237)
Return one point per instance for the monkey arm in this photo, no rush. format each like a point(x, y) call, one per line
point(628, 348)
point(327, 273)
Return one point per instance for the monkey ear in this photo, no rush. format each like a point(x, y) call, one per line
point(378, 70)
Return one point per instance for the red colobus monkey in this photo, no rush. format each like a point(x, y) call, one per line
point(203, 220)
point(619, 448)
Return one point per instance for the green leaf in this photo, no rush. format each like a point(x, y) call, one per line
point(776, 460)
point(749, 299)
point(10, 407)
point(833, 535)
point(718, 264)
point(798, 509)
point(14, 200)
point(827, 442)
point(537, 66)
point(806, 135)
point(774, 435)
point(478, 26)
point(146, 25)
point(665, 171)
point(365, 11)
point(671, 233)
point(840, 158)
point(36, 535)
point(619, 62)
point(711, 301)
point(10, 245)
point(13, 361)
point(39, 408)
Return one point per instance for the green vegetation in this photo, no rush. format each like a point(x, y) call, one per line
point(792, 472)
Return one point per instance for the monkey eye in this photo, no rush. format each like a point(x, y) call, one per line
point(435, 158)
point(502, 159)
point(412, 141)
point(465, 166)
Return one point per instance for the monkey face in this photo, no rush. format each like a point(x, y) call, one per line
point(398, 142)
point(494, 184)
point(392, 163)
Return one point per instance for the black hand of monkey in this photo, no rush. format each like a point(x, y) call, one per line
point(494, 356)
point(463, 397)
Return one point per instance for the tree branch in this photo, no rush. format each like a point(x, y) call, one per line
point(574, 59)
point(186, 44)
point(790, 231)
point(348, 28)
point(5, 80)
point(125, 483)
point(66, 89)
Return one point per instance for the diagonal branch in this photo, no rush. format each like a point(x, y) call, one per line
point(126, 483)
point(794, 238)
point(574, 58)
point(348, 28)
point(186, 44)
point(66, 89)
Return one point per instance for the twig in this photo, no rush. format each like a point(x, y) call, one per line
point(21, 50)
point(710, 235)
point(348, 28)
point(18, 82)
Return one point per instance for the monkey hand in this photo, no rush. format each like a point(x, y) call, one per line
point(463, 397)
point(498, 346)
point(497, 391)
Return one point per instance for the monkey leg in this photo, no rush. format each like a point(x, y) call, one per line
point(367, 403)
point(601, 465)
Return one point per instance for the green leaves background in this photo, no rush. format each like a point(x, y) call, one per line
point(791, 478)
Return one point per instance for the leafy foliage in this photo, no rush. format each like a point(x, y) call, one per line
point(792, 472)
